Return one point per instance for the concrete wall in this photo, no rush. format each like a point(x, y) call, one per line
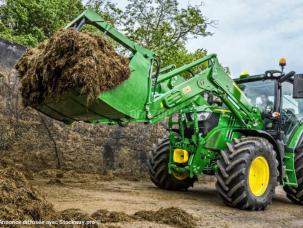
point(10, 53)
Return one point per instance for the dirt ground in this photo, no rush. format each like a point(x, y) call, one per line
point(131, 196)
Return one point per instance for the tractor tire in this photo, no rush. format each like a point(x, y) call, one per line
point(158, 170)
point(247, 173)
point(296, 194)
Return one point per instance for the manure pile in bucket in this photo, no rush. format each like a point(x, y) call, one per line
point(70, 59)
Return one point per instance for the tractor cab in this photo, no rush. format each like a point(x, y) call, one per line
point(278, 96)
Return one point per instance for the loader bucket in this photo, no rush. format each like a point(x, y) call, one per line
point(126, 101)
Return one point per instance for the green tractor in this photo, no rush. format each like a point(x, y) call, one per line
point(250, 139)
point(245, 131)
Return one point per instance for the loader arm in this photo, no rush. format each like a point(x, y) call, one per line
point(212, 80)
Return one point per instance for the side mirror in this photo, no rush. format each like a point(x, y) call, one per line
point(298, 86)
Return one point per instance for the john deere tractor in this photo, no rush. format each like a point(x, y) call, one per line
point(247, 132)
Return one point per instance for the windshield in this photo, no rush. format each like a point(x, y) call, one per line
point(260, 94)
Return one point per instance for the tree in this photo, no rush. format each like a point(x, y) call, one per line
point(159, 25)
point(30, 22)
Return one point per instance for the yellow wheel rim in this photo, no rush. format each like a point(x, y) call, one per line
point(258, 176)
point(180, 176)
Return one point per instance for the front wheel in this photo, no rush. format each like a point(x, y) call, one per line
point(247, 173)
point(158, 170)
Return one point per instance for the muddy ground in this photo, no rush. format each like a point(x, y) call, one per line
point(201, 202)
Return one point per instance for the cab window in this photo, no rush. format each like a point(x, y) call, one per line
point(260, 94)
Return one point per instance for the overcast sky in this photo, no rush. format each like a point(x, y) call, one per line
point(253, 35)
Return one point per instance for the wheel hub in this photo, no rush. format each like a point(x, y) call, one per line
point(259, 175)
point(180, 176)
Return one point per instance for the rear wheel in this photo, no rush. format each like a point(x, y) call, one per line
point(296, 194)
point(158, 170)
point(247, 173)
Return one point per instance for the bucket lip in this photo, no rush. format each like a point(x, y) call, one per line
point(54, 108)
point(65, 119)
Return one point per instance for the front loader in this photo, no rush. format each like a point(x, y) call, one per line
point(245, 131)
